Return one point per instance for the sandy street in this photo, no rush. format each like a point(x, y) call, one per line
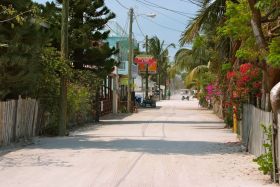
point(176, 144)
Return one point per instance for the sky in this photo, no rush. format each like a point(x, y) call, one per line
point(167, 25)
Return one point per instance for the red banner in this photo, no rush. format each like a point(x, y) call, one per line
point(144, 59)
point(152, 68)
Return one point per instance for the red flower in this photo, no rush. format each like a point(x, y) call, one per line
point(257, 85)
point(255, 72)
point(244, 68)
point(245, 78)
point(230, 74)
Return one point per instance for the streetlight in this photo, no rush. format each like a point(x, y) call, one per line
point(130, 60)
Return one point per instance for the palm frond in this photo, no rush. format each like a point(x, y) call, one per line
point(211, 13)
point(196, 73)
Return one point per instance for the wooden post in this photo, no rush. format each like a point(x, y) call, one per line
point(234, 119)
point(64, 57)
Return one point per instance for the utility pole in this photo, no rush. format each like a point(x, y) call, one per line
point(130, 59)
point(64, 58)
point(147, 71)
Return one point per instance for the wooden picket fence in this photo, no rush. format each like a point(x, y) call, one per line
point(18, 119)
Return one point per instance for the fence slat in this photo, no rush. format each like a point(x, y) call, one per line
point(253, 135)
point(278, 141)
point(1, 122)
point(18, 120)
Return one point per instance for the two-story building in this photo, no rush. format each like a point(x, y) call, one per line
point(119, 38)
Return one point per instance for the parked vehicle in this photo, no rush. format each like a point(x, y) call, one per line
point(186, 94)
point(186, 97)
point(149, 102)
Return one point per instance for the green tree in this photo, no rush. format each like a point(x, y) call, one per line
point(20, 55)
point(87, 35)
point(159, 50)
point(88, 51)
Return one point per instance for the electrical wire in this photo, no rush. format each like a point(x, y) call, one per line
point(111, 29)
point(121, 4)
point(191, 1)
point(164, 8)
point(165, 44)
point(171, 18)
point(125, 28)
point(137, 23)
point(163, 26)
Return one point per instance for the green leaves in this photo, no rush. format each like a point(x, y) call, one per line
point(265, 161)
point(237, 24)
point(274, 53)
point(88, 51)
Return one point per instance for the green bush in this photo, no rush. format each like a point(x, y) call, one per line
point(79, 103)
point(229, 117)
point(265, 161)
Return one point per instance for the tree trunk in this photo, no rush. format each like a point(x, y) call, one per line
point(257, 24)
point(267, 79)
point(270, 75)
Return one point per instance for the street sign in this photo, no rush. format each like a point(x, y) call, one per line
point(152, 68)
point(144, 59)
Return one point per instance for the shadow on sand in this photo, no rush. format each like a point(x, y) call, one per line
point(150, 146)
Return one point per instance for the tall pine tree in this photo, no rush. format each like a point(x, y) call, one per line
point(21, 44)
point(88, 49)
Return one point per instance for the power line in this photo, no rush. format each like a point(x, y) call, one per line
point(139, 25)
point(111, 29)
point(164, 8)
point(171, 18)
point(163, 26)
point(125, 28)
point(165, 44)
point(191, 1)
point(121, 4)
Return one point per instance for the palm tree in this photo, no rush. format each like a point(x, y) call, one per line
point(196, 74)
point(159, 50)
point(211, 13)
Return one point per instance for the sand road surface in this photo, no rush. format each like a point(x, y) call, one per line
point(176, 144)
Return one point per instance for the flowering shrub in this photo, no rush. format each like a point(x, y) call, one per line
point(230, 74)
point(210, 91)
point(246, 81)
point(213, 90)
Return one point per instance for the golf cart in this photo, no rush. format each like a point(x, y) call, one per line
point(149, 102)
point(186, 94)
